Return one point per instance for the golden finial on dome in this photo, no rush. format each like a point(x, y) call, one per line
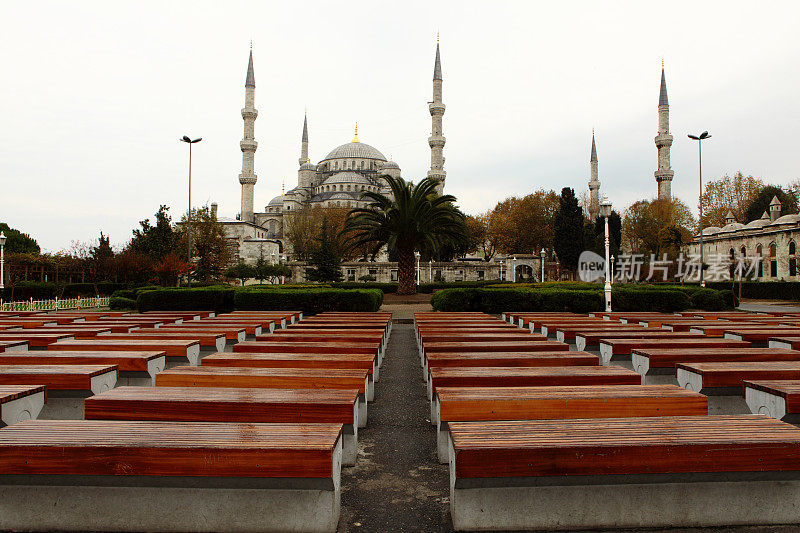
point(283, 187)
point(662, 62)
point(251, 44)
point(437, 37)
point(355, 139)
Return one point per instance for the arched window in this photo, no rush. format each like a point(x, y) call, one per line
point(792, 259)
point(760, 259)
point(336, 165)
point(773, 260)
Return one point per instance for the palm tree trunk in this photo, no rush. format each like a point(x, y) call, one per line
point(405, 271)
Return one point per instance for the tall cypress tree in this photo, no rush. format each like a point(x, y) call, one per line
point(568, 230)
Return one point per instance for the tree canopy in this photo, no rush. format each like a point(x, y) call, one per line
point(18, 242)
point(413, 218)
point(756, 208)
point(729, 193)
point(568, 229)
point(657, 226)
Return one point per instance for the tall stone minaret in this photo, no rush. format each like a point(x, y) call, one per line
point(248, 145)
point(304, 142)
point(594, 184)
point(437, 140)
point(663, 142)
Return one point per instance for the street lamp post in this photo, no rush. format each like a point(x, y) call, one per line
point(2, 261)
point(430, 271)
point(542, 253)
point(605, 212)
point(190, 142)
point(700, 138)
point(514, 270)
point(501, 262)
point(417, 255)
point(612, 269)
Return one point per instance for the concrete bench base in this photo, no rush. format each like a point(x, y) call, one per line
point(186, 504)
point(772, 405)
point(24, 408)
point(675, 501)
point(721, 400)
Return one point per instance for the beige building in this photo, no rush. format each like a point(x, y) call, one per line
point(769, 244)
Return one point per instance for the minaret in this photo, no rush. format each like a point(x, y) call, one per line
point(437, 140)
point(304, 142)
point(663, 142)
point(594, 184)
point(248, 145)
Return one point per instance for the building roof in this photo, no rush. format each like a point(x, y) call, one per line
point(787, 219)
point(594, 150)
point(305, 129)
point(353, 196)
point(355, 150)
point(662, 95)
point(775, 201)
point(711, 230)
point(390, 164)
point(251, 78)
point(348, 177)
point(308, 166)
point(278, 200)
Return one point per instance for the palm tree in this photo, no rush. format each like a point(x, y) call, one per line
point(413, 218)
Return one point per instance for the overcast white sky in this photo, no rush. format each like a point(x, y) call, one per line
point(95, 95)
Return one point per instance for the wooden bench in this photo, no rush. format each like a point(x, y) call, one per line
point(310, 346)
point(620, 348)
point(142, 322)
point(85, 332)
point(179, 352)
point(169, 476)
point(209, 342)
point(114, 327)
point(134, 368)
point(775, 398)
point(548, 327)
point(252, 326)
point(509, 359)
point(35, 340)
point(67, 385)
point(759, 335)
point(454, 404)
point(28, 323)
point(549, 376)
point(533, 345)
point(219, 404)
point(363, 361)
point(272, 378)
point(657, 365)
point(13, 346)
point(233, 334)
point(648, 472)
point(785, 342)
point(328, 335)
point(20, 402)
point(568, 333)
point(583, 340)
point(722, 382)
point(688, 325)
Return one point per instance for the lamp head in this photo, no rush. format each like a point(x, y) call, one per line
point(694, 137)
point(542, 252)
point(605, 207)
point(704, 135)
point(197, 140)
point(186, 139)
point(2, 239)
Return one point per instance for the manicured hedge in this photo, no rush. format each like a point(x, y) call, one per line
point(763, 290)
point(579, 299)
point(200, 299)
point(104, 288)
point(310, 301)
point(426, 288)
point(117, 303)
point(500, 300)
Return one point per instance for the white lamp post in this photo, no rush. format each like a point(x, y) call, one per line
point(514, 270)
point(542, 253)
point(417, 254)
point(430, 271)
point(2, 261)
point(281, 260)
point(612, 269)
point(605, 212)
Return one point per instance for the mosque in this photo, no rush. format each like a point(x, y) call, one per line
point(336, 181)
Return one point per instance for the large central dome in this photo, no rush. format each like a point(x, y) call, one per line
point(355, 150)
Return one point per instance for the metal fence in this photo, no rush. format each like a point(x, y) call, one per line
point(55, 304)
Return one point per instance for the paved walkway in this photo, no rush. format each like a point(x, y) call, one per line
point(397, 484)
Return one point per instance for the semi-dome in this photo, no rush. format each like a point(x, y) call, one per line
point(341, 196)
point(355, 150)
point(733, 226)
point(278, 200)
point(390, 164)
point(308, 166)
point(711, 230)
point(348, 177)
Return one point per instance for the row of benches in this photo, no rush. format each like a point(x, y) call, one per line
point(266, 422)
point(534, 436)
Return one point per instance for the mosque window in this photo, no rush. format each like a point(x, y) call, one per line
point(732, 263)
point(362, 164)
point(760, 258)
point(792, 259)
point(336, 165)
point(773, 261)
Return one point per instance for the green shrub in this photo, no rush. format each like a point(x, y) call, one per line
point(760, 290)
point(500, 300)
point(634, 298)
point(310, 301)
point(217, 298)
point(25, 290)
point(118, 303)
point(710, 299)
